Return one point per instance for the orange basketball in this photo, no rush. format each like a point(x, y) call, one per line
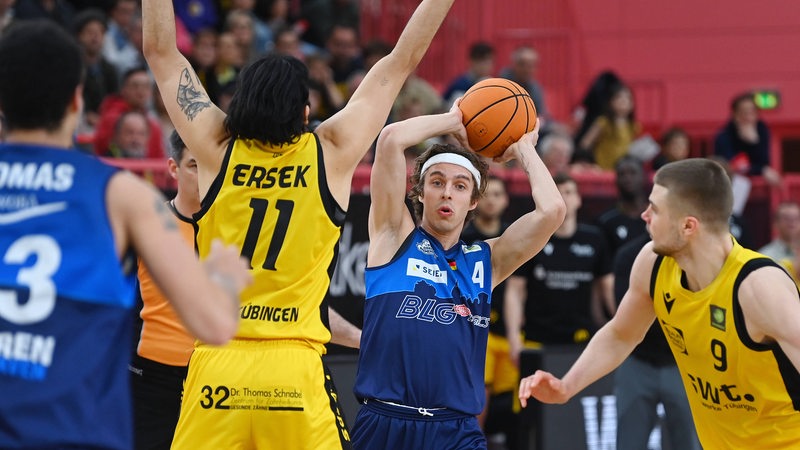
point(496, 113)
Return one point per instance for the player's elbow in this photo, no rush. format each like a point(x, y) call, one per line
point(553, 211)
point(156, 49)
point(390, 137)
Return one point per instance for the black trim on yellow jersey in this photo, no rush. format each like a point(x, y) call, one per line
point(789, 374)
point(213, 191)
point(654, 275)
point(335, 212)
point(216, 185)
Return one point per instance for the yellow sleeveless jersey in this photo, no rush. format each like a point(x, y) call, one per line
point(743, 395)
point(164, 338)
point(274, 204)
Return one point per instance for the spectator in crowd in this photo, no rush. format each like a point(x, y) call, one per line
point(131, 135)
point(240, 25)
point(329, 100)
point(319, 17)
point(225, 70)
point(204, 53)
point(101, 76)
point(372, 52)
point(613, 132)
point(284, 329)
point(648, 377)
point(592, 106)
point(674, 147)
point(287, 42)
point(562, 294)
point(740, 230)
point(523, 68)
point(68, 273)
point(623, 221)
point(498, 418)
point(263, 36)
point(556, 152)
point(136, 94)
point(118, 47)
point(344, 53)
point(58, 11)
point(745, 141)
point(481, 65)
point(419, 93)
point(786, 222)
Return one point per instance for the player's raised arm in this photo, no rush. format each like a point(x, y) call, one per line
point(347, 135)
point(389, 219)
point(206, 297)
point(199, 122)
point(528, 234)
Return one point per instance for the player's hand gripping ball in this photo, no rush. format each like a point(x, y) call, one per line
point(496, 113)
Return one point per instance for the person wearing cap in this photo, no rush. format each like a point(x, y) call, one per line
point(428, 294)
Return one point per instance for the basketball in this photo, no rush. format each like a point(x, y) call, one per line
point(496, 113)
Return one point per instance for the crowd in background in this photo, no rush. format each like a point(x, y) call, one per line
point(125, 118)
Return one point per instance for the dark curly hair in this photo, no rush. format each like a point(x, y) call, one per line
point(418, 181)
point(269, 101)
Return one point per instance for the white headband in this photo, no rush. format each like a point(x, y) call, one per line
point(452, 158)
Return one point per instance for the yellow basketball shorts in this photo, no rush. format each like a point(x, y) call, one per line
point(271, 395)
point(501, 374)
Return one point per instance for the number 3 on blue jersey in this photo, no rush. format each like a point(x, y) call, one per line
point(42, 298)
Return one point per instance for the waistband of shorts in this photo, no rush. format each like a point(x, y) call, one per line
point(399, 411)
point(261, 344)
point(140, 363)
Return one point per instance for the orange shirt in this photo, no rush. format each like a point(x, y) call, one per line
point(163, 338)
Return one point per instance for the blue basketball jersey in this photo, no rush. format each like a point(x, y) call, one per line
point(426, 320)
point(65, 320)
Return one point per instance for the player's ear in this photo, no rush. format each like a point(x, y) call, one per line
point(690, 224)
point(306, 114)
point(76, 104)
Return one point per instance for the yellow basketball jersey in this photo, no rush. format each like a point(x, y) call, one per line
point(274, 204)
point(742, 394)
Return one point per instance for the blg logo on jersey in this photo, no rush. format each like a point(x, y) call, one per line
point(421, 269)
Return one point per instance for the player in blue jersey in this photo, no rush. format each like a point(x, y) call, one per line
point(69, 226)
point(426, 317)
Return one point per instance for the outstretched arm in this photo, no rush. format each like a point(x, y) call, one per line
point(348, 135)
point(198, 121)
point(528, 234)
point(608, 348)
point(389, 219)
point(205, 296)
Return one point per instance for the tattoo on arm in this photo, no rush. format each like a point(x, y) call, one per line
point(166, 215)
point(191, 99)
